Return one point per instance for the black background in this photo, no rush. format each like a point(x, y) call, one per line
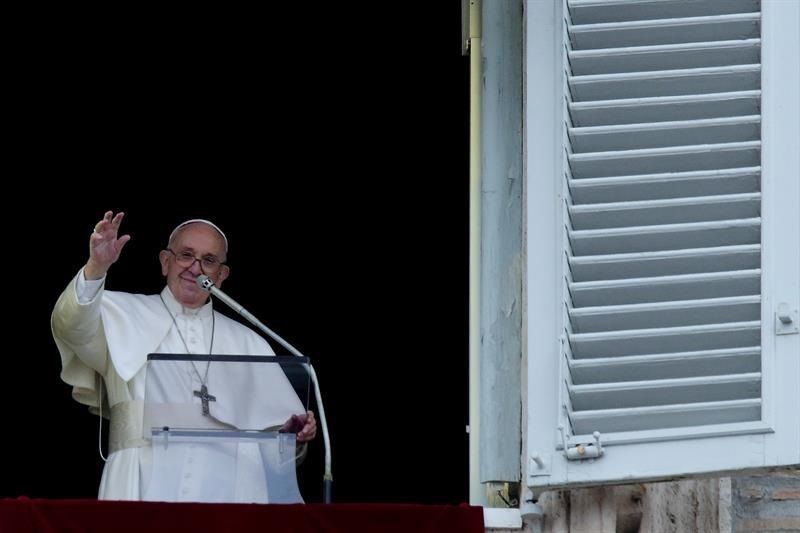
point(330, 144)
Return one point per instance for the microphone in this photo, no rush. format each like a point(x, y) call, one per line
point(208, 285)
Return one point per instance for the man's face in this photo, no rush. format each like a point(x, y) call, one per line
point(202, 242)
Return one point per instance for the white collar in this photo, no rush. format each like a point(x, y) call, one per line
point(176, 308)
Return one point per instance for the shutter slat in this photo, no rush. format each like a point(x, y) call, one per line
point(666, 416)
point(665, 263)
point(665, 82)
point(665, 340)
point(663, 215)
point(665, 108)
point(665, 391)
point(665, 314)
point(666, 288)
point(665, 57)
point(664, 366)
point(662, 134)
point(665, 185)
point(665, 237)
point(596, 11)
point(665, 31)
point(666, 211)
point(670, 159)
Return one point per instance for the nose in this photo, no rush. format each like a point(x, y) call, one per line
point(195, 268)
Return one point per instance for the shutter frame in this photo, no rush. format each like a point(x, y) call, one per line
point(594, 196)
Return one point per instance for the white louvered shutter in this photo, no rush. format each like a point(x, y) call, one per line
point(662, 356)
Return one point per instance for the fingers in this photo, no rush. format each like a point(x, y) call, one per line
point(122, 241)
point(304, 426)
point(103, 224)
point(294, 424)
point(109, 222)
point(309, 430)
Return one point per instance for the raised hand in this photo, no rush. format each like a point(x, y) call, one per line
point(104, 246)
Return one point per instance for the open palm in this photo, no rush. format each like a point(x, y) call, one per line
point(104, 246)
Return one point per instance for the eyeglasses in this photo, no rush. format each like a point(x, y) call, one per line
point(208, 264)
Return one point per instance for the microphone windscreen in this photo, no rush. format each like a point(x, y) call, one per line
point(204, 282)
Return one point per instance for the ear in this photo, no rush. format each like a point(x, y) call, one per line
point(163, 258)
point(224, 272)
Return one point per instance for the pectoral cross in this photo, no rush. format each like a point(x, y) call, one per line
point(205, 397)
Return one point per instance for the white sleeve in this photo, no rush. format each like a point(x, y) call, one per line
point(78, 332)
point(87, 289)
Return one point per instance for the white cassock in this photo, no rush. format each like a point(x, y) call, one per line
point(109, 334)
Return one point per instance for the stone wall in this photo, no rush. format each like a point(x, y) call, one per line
point(767, 503)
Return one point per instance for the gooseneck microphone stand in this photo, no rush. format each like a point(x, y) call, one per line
point(208, 285)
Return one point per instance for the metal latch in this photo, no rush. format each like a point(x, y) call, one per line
point(538, 466)
point(786, 320)
point(583, 450)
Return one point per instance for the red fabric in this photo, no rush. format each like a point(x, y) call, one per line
point(44, 516)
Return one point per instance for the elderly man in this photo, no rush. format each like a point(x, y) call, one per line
point(104, 338)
